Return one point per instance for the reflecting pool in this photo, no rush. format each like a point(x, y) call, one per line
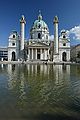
point(39, 92)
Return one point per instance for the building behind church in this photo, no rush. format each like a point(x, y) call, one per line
point(75, 53)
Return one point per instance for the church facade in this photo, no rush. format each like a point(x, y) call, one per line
point(39, 47)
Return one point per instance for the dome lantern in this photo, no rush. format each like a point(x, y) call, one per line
point(39, 16)
point(39, 29)
point(39, 23)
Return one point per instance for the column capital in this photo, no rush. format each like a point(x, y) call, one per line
point(22, 20)
point(55, 20)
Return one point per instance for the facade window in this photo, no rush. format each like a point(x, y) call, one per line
point(39, 36)
point(39, 26)
point(64, 44)
point(13, 44)
point(64, 36)
point(14, 36)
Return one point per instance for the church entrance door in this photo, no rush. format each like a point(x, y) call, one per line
point(64, 56)
point(38, 56)
point(13, 56)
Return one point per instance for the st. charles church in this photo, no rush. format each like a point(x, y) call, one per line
point(39, 47)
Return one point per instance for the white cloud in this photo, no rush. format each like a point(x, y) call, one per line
point(51, 37)
point(75, 32)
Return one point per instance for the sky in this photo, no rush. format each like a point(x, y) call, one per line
point(68, 12)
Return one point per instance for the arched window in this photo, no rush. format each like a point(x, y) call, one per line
point(39, 26)
point(64, 36)
point(39, 36)
point(64, 55)
point(13, 36)
point(64, 44)
point(13, 56)
point(13, 44)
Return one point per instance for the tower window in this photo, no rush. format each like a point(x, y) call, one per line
point(39, 26)
point(64, 44)
point(13, 44)
point(13, 36)
point(39, 36)
point(64, 36)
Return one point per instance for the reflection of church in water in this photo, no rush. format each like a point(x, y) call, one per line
point(57, 73)
point(42, 79)
point(39, 47)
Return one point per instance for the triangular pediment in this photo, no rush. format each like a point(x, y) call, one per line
point(38, 44)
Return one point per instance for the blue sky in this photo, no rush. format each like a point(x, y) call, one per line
point(68, 12)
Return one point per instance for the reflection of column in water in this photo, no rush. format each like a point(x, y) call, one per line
point(38, 69)
point(9, 68)
point(2, 66)
point(41, 68)
point(44, 69)
point(48, 69)
point(58, 73)
point(28, 66)
point(22, 86)
point(67, 72)
point(10, 86)
point(35, 68)
point(21, 80)
point(61, 73)
point(32, 69)
point(12, 76)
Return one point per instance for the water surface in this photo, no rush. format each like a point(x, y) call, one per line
point(39, 92)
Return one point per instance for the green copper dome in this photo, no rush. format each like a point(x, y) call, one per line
point(39, 23)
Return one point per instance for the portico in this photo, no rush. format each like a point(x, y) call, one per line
point(38, 52)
